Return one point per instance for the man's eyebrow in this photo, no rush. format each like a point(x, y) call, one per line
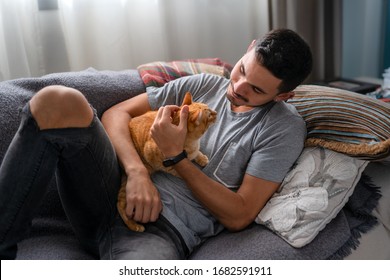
point(254, 86)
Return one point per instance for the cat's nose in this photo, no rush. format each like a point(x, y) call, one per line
point(213, 115)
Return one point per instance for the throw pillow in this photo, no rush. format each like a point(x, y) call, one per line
point(160, 72)
point(344, 121)
point(311, 195)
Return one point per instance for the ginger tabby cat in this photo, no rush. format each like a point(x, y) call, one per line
point(200, 117)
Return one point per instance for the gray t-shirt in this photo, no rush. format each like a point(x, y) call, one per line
point(264, 142)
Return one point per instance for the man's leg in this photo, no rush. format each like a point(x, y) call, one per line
point(60, 107)
point(58, 129)
point(159, 241)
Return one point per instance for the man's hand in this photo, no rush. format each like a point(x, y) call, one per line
point(169, 137)
point(143, 203)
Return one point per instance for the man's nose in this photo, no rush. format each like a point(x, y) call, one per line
point(240, 87)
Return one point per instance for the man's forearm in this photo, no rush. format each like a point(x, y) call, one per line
point(116, 125)
point(227, 206)
point(143, 203)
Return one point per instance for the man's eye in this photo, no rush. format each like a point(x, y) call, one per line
point(242, 70)
point(257, 90)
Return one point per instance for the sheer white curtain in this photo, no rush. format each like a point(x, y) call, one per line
point(118, 34)
point(111, 34)
point(20, 37)
point(122, 34)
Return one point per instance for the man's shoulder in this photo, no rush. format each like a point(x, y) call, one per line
point(285, 110)
point(286, 117)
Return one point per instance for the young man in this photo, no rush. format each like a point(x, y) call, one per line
point(255, 141)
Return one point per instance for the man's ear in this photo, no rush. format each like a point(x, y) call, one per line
point(284, 96)
point(250, 47)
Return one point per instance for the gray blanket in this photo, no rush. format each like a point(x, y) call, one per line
point(51, 236)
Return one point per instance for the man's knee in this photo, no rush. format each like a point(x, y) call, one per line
point(60, 107)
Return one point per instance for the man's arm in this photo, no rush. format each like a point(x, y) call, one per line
point(143, 200)
point(235, 210)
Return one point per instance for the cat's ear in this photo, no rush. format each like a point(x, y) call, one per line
point(187, 99)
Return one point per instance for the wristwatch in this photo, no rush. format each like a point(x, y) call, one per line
point(173, 160)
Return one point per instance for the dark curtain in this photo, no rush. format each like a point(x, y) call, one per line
point(319, 23)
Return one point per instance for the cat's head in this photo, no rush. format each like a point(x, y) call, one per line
point(200, 116)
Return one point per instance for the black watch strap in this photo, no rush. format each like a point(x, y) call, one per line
point(173, 160)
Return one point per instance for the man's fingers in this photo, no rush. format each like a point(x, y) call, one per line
point(167, 112)
point(184, 117)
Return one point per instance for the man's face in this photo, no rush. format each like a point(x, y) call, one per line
point(251, 84)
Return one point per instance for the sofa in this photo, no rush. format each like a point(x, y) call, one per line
point(364, 210)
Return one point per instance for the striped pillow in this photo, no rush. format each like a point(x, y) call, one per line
point(344, 121)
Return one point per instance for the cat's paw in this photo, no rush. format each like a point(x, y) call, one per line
point(202, 160)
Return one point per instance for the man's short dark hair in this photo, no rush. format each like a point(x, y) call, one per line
point(287, 56)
